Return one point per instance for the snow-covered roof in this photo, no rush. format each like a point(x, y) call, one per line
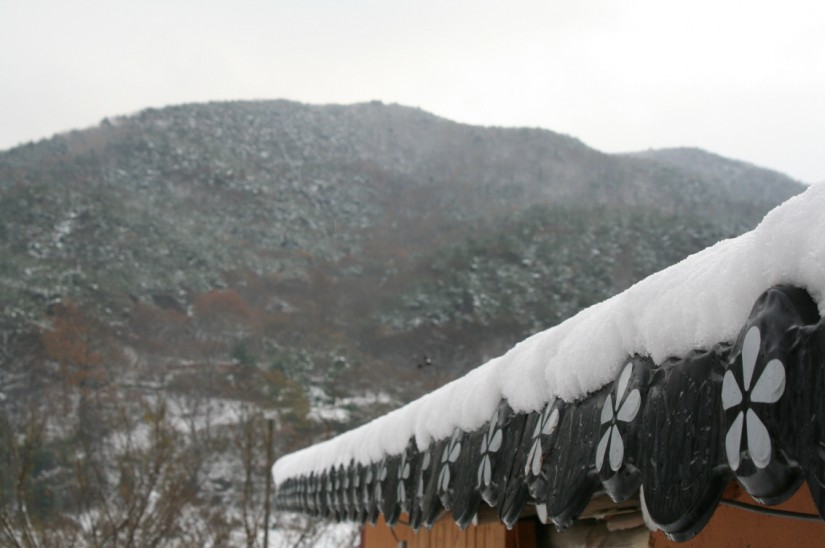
point(605, 361)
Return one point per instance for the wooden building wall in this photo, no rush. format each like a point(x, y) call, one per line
point(445, 533)
point(734, 527)
point(728, 528)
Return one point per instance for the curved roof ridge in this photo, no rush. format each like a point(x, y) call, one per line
point(694, 304)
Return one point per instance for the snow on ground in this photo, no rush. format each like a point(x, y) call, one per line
point(193, 414)
point(299, 531)
point(703, 300)
point(186, 415)
point(325, 408)
point(329, 413)
point(334, 535)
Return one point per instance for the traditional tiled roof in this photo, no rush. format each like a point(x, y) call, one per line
point(676, 429)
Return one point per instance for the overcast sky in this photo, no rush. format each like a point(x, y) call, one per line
point(743, 79)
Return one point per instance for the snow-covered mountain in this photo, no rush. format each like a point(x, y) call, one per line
point(181, 270)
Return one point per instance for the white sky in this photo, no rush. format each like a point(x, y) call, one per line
point(745, 79)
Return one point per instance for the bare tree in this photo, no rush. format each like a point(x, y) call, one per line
point(15, 520)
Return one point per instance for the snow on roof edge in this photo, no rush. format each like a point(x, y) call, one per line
point(693, 304)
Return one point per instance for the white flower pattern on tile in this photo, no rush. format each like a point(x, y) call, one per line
point(450, 454)
point(425, 465)
point(327, 487)
point(356, 485)
point(545, 426)
point(344, 485)
point(622, 409)
point(381, 476)
point(490, 443)
point(768, 388)
point(367, 483)
point(403, 475)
